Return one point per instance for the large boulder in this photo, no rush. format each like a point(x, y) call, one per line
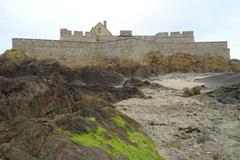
point(188, 92)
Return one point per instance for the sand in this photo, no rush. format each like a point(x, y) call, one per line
point(189, 128)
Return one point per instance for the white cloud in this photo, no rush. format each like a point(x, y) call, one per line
point(210, 19)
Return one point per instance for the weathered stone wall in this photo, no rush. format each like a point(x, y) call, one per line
point(76, 52)
point(68, 52)
point(137, 48)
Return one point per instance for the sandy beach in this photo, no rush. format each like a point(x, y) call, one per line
point(189, 128)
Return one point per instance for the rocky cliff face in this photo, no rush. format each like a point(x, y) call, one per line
point(48, 111)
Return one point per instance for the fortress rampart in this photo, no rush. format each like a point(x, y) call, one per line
point(74, 52)
point(76, 48)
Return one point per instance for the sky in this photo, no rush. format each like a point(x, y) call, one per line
point(211, 20)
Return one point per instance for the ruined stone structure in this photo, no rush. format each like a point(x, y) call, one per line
point(84, 48)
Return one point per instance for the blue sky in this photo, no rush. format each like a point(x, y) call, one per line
point(211, 20)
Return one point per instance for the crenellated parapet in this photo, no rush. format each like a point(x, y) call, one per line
point(68, 35)
point(174, 37)
point(161, 37)
point(175, 34)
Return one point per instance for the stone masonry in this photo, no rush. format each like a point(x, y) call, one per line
point(84, 48)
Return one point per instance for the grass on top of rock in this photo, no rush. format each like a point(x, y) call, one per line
point(11, 57)
point(137, 147)
point(14, 55)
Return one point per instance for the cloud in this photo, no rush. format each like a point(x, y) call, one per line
point(210, 19)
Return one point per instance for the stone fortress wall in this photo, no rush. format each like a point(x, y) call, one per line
point(78, 48)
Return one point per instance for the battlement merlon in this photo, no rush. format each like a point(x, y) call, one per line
point(125, 33)
point(176, 34)
point(175, 37)
point(66, 34)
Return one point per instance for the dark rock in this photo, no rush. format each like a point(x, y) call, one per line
point(101, 76)
point(143, 72)
point(221, 80)
point(133, 82)
point(152, 123)
point(34, 97)
point(227, 94)
point(108, 93)
point(50, 69)
point(32, 140)
point(189, 129)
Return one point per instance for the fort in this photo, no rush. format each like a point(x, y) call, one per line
point(84, 48)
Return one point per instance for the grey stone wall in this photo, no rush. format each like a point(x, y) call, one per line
point(78, 52)
point(68, 52)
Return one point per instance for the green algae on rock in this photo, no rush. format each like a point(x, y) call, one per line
point(139, 147)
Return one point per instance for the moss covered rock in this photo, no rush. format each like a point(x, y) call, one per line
point(121, 140)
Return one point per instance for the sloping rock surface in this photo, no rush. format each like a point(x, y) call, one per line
point(229, 94)
point(101, 76)
point(221, 80)
point(47, 112)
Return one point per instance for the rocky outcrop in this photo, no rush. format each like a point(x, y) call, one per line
point(134, 82)
point(235, 65)
point(218, 80)
point(47, 112)
point(110, 94)
point(14, 63)
point(182, 62)
point(155, 63)
point(101, 76)
point(229, 94)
